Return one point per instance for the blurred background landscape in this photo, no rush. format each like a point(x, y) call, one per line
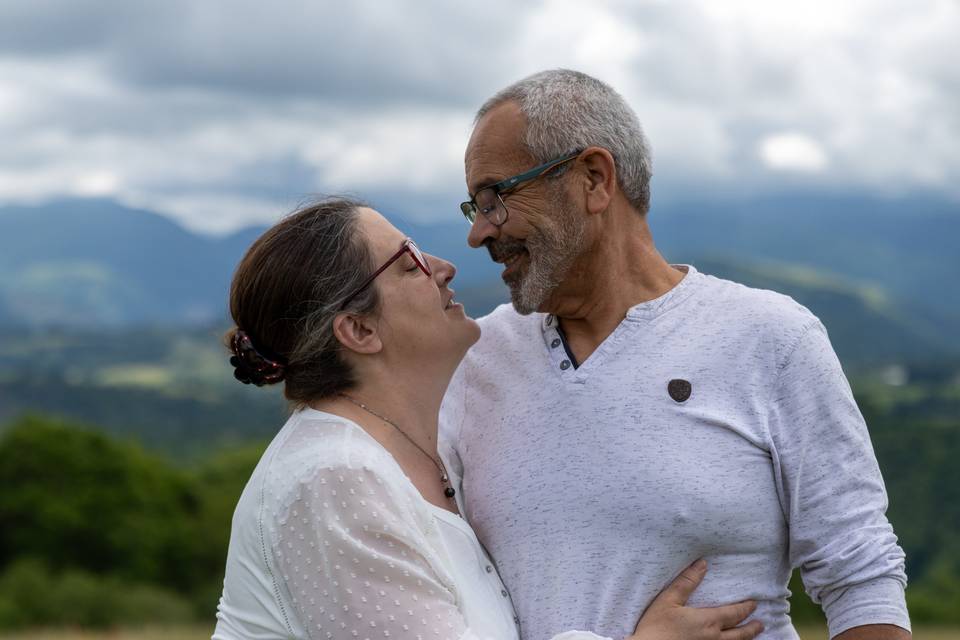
point(126, 441)
point(813, 150)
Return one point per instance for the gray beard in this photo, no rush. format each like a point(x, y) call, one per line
point(553, 250)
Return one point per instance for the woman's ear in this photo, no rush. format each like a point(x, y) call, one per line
point(357, 333)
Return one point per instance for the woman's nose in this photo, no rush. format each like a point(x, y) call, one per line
point(443, 271)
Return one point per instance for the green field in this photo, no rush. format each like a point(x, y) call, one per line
point(202, 633)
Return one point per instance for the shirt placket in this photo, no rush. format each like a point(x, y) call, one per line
point(560, 361)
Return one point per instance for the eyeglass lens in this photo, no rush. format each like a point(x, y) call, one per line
point(419, 257)
point(491, 206)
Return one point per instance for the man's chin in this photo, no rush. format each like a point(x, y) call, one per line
point(521, 303)
point(527, 292)
point(521, 309)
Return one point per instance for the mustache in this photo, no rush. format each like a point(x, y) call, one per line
point(501, 249)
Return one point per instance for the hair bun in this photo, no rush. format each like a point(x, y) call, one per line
point(250, 365)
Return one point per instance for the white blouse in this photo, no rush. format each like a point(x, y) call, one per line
point(331, 540)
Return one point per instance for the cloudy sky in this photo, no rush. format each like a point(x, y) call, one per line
point(221, 114)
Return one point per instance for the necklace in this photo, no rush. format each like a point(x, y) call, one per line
point(448, 490)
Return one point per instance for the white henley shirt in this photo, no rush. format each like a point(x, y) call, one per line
point(592, 487)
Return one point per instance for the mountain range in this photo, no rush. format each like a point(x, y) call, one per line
point(881, 273)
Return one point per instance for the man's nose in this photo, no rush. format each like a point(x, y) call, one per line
point(480, 230)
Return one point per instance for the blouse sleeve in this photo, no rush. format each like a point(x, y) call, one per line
point(357, 563)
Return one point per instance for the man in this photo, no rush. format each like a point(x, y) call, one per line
point(626, 416)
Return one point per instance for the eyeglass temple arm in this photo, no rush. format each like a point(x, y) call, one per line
point(533, 173)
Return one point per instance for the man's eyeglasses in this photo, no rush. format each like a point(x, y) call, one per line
point(408, 247)
point(489, 200)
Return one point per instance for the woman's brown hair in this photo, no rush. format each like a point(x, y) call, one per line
point(285, 294)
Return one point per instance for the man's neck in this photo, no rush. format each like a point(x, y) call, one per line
point(621, 271)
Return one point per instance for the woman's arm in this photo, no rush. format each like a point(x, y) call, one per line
point(356, 562)
point(668, 617)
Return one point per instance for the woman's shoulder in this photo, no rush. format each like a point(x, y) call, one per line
point(318, 449)
point(313, 441)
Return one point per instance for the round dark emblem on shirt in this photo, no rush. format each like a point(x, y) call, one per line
point(679, 389)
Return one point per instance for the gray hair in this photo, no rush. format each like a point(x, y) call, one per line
point(568, 110)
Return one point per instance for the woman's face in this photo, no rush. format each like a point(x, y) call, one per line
point(418, 320)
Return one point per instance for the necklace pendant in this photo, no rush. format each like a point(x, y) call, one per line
point(449, 492)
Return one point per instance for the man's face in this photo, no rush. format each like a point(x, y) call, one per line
point(544, 231)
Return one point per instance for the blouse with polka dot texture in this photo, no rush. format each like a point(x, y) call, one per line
point(330, 540)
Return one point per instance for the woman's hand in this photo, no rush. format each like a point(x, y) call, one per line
point(668, 617)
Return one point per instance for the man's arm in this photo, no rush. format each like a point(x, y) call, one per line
point(875, 632)
point(833, 495)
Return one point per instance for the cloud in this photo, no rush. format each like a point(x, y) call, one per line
point(225, 113)
point(363, 52)
point(792, 151)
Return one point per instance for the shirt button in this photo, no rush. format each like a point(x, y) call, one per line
point(516, 619)
point(555, 343)
point(503, 592)
point(565, 365)
point(489, 569)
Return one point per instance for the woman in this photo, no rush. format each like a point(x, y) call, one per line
point(349, 526)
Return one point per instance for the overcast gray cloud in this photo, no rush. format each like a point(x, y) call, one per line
point(358, 52)
point(225, 113)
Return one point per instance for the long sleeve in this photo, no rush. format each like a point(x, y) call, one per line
point(832, 492)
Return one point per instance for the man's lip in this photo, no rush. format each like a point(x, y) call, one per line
point(508, 268)
point(503, 259)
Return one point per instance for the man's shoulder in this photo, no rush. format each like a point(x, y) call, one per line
point(753, 308)
point(759, 328)
point(762, 323)
point(504, 335)
point(502, 315)
point(504, 322)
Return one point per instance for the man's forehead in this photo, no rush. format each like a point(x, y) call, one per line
point(496, 145)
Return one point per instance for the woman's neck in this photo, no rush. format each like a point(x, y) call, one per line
point(405, 424)
point(383, 408)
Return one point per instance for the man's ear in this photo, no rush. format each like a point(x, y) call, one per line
point(602, 178)
point(357, 333)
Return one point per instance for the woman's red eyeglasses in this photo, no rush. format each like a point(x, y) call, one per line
point(408, 246)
